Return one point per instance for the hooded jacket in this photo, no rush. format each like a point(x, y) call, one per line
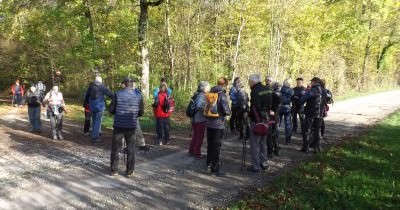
point(96, 100)
point(313, 100)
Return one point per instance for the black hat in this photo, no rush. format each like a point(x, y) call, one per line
point(316, 79)
point(127, 80)
point(300, 78)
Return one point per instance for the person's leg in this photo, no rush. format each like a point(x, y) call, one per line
point(263, 152)
point(322, 127)
point(307, 125)
point(200, 130)
point(317, 127)
point(59, 125)
point(31, 116)
point(37, 125)
point(270, 137)
point(194, 137)
point(19, 99)
point(288, 127)
point(53, 125)
point(216, 150)
point(275, 140)
point(255, 149)
point(294, 120)
point(240, 123)
point(86, 126)
point(96, 125)
point(210, 139)
point(233, 119)
point(166, 130)
point(116, 144)
point(130, 145)
point(159, 129)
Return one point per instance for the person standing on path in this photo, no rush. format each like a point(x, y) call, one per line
point(272, 138)
point(95, 95)
point(286, 108)
point(127, 105)
point(55, 111)
point(199, 121)
point(34, 100)
point(239, 107)
point(313, 115)
point(260, 109)
point(18, 92)
point(216, 125)
point(162, 115)
point(157, 89)
point(297, 109)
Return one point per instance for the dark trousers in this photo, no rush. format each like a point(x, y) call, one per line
point(322, 127)
point(34, 118)
point(199, 130)
point(294, 119)
point(312, 127)
point(97, 118)
point(237, 120)
point(86, 127)
point(214, 142)
point(56, 123)
point(118, 135)
point(272, 139)
point(162, 126)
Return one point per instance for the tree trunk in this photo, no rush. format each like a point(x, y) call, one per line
point(235, 58)
point(365, 61)
point(144, 51)
point(169, 43)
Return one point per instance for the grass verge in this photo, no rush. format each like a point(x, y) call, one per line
point(363, 173)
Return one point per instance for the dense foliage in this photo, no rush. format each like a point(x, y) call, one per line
point(351, 43)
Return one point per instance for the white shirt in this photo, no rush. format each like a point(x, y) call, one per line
point(54, 98)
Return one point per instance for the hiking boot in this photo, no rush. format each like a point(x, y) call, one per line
point(166, 142)
point(288, 140)
point(218, 173)
point(145, 148)
point(114, 173)
point(277, 153)
point(252, 169)
point(130, 174)
point(55, 137)
point(86, 134)
point(305, 150)
point(60, 137)
point(264, 167)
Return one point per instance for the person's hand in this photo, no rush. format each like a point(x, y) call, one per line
point(272, 113)
point(65, 110)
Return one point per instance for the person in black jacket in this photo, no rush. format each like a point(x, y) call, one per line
point(286, 108)
point(272, 139)
point(313, 115)
point(297, 109)
point(260, 110)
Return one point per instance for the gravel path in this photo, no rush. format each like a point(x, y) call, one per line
point(39, 173)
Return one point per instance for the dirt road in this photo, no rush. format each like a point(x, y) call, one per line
point(39, 173)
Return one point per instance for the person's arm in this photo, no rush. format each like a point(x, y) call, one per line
point(155, 92)
point(232, 94)
point(305, 97)
point(141, 106)
point(169, 91)
point(226, 111)
point(107, 92)
point(113, 104)
point(86, 99)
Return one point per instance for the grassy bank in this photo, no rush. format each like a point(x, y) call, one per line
point(362, 173)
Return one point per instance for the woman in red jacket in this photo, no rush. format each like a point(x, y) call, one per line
point(162, 113)
point(18, 92)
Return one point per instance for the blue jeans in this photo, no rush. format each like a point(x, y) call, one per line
point(287, 117)
point(34, 118)
point(96, 124)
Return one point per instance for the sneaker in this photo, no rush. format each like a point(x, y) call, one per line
point(252, 169)
point(218, 173)
point(130, 174)
point(55, 137)
point(145, 148)
point(166, 142)
point(60, 137)
point(114, 173)
point(86, 134)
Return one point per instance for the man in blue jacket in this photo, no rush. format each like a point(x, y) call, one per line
point(95, 96)
point(127, 105)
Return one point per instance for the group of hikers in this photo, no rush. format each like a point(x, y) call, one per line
point(255, 116)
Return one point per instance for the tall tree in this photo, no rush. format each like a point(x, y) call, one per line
point(142, 37)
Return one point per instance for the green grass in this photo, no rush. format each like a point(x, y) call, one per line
point(362, 173)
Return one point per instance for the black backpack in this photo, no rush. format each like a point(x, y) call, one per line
point(191, 108)
point(329, 97)
point(166, 106)
point(94, 91)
